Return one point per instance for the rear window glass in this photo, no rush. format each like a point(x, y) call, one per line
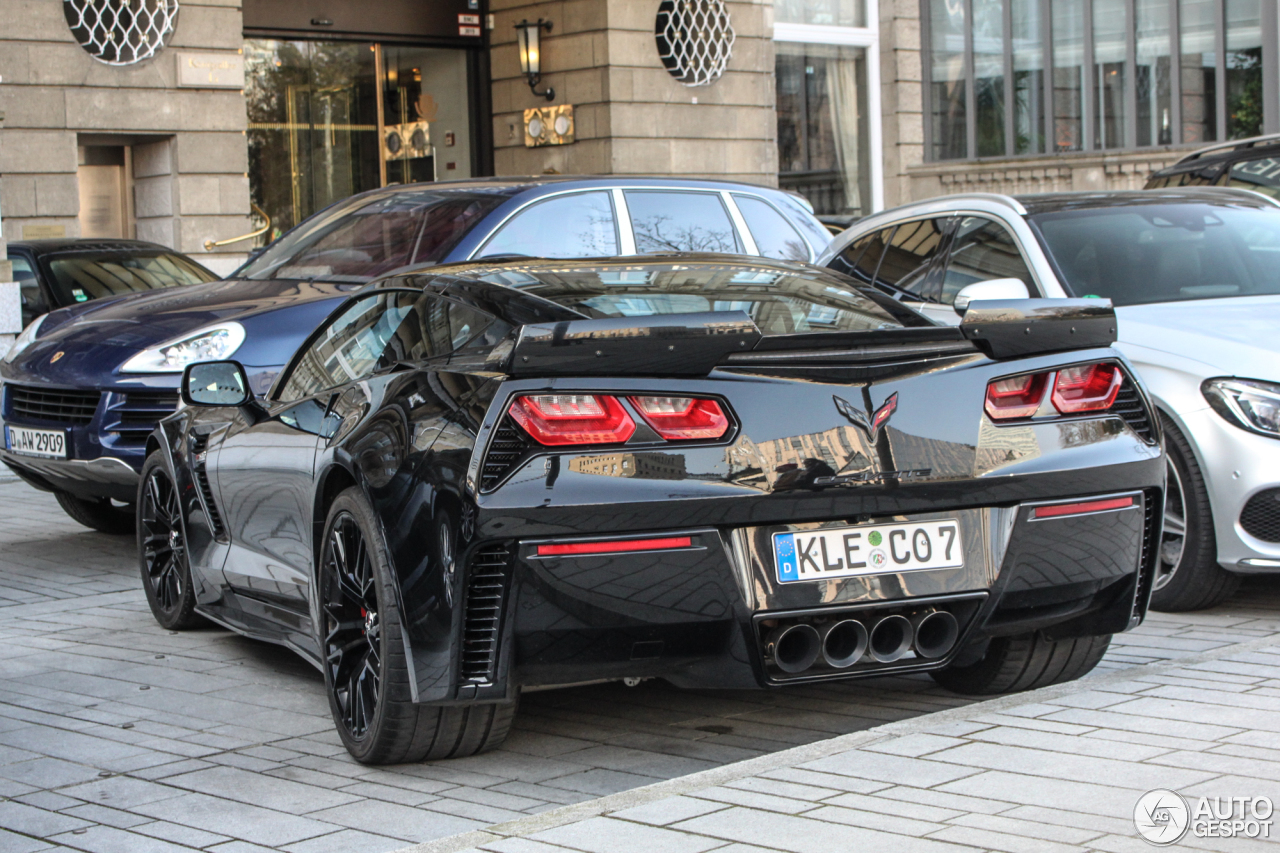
point(79, 278)
point(680, 222)
point(1165, 252)
point(355, 243)
point(774, 235)
point(1261, 175)
point(780, 301)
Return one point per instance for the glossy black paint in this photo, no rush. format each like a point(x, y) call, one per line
point(1008, 328)
point(413, 439)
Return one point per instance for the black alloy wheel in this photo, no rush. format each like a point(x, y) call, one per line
point(366, 669)
point(352, 631)
point(162, 550)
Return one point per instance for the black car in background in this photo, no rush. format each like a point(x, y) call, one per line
point(724, 471)
point(84, 389)
point(1246, 164)
point(53, 274)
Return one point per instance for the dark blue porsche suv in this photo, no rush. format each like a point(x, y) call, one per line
point(84, 386)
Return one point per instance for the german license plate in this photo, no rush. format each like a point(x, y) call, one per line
point(37, 442)
point(873, 549)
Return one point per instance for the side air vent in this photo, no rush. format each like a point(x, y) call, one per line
point(199, 445)
point(1152, 504)
point(507, 447)
point(1130, 408)
point(487, 580)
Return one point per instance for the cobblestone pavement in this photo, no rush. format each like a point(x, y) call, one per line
point(1056, 770)
point(116, 735)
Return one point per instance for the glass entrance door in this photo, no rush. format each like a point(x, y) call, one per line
point(331, 119)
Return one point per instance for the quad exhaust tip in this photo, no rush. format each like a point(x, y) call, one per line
point(890, 639)
point(936, 633)
point(795, 647)
point(843, 643)
point(931, 634)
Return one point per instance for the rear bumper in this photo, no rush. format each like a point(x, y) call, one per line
point(706, 615)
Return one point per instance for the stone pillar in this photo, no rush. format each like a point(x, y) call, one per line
point(631, 116)
point(901, 96)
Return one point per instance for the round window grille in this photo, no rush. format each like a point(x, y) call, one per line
point(695, 39)
point(121, 32)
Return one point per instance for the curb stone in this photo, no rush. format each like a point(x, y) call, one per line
point(808, 752)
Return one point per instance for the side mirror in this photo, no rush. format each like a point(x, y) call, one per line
point(996, 288)
point(215, 383)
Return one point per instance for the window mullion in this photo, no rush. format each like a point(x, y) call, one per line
point(926, 78)
point(1270, 67)
point(1009, 105)
point(1175, 73)
point(970, 89)
point(1046, 30)
point(1089, 83)
point(1220, 77)
point(1131, 75)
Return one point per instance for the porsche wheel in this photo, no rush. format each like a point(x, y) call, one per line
point(1188, 576)
point(366, 672)
point(162, 553)
point(1014, 664)
point(101, 515)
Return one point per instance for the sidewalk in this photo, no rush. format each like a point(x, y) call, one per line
point(1058, 769)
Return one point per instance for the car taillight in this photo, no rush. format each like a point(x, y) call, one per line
point(1086, 388)
point(557, 419)
point(1016, 396)
point(682, 418)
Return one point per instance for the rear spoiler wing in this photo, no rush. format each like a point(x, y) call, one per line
point(695, 344)
point(663, 344)
point(1009, 328)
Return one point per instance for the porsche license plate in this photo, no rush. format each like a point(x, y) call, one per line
point(873, 549)
point(51, 443)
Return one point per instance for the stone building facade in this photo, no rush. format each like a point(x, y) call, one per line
point(261, 112)
point(180, 148)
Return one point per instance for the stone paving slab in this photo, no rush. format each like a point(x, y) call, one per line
point(118, 735)
point(966, 779)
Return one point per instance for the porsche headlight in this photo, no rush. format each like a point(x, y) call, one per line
point(24, 340)
point(213, 343)
point(1247, 403)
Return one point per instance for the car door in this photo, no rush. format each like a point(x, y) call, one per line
point(909, 268)
point(264, 467)
point(573, 225)
point(981, 249)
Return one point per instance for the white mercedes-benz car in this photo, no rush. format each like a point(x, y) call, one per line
point(1194, 275)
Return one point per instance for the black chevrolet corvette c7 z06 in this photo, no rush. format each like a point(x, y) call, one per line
point(722, 471)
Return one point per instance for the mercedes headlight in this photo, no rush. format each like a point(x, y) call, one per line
point(24, 340)
point(1247, 403)
point(213, 343)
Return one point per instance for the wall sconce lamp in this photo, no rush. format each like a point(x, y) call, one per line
point(528, 37)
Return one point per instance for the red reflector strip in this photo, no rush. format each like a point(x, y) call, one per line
point(1084, 507)
point(621, 546)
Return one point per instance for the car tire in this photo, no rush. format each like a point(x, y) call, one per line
point(1024, 662)
point(1188, 576)
point(365, 669)
point(162, 554)
point(100, 514)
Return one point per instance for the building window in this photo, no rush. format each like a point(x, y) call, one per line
point(828, 104)
point(1027, 77)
